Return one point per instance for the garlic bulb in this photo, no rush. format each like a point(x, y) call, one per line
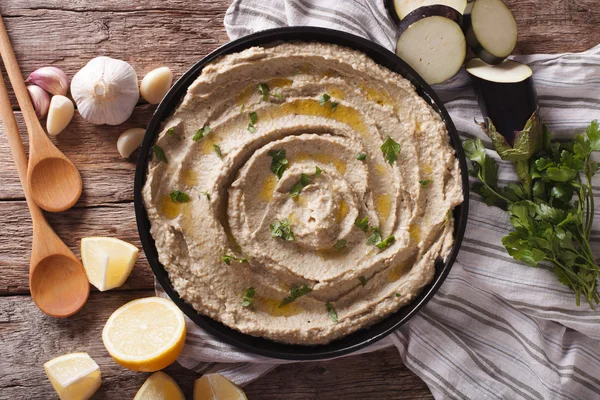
point(53, 80)
point(129, 141)
point(156, 84)
point(60, 114)
point(105, 91)
point(40, 100)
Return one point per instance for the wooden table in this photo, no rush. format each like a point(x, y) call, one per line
point(149, 34)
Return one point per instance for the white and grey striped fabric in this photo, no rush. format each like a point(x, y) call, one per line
point(496, 329)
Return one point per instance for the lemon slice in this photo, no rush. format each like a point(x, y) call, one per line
point(159, 386)
point(107, 261)
point(74, 376)
point(145, 334)
point(217, 387)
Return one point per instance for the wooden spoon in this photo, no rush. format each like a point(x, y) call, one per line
point(54, 181)
point(57, 280)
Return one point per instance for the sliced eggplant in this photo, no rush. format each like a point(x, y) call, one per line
point(491, 30)
point(506, 94)
point(398, 9)
point(432, 42)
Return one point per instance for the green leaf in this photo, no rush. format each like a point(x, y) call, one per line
point(263, 89)
point(375, 237)
point(363, 280)
point(228, 258)
point(362, 224)
point(340, 245)
point(390, 150)
point(248, 297)
point(593, 133)
point(361, 156)
point(282, 230)
point(218, 150)
point(324, 99)
point(331, 311)
point(318, 171)
point(206, 194)
point(202, 132)
point(561, 174)
point(295, 292)
point(302, 183)
point(251, 128)
point(384, 244)
point(334, 105)
point(489, 197)
point(398, 294)
point(425, 183)
point(475, 151)
point(159, 153)
point(253, 117)
point(179, 197)
point(279, 162)
point(171, 132)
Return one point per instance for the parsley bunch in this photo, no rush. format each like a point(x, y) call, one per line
point(552, 208)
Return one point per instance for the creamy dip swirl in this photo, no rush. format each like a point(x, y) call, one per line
point(217, 198)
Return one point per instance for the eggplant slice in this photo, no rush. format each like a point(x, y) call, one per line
point(491, 30)
point(506, 94)
point(399, 9)
point(432, 42)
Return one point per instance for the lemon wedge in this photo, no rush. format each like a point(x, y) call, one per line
point(145, 334)
point(159, 386)
point(74, 376)
point(217, 387)
point(107, 261)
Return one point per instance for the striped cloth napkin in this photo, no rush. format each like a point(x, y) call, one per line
point(496, 329)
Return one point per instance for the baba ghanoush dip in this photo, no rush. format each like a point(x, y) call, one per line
point(301, 192)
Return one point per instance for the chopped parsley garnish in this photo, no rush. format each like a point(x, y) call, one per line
point(302, 183)
point(279, 162)
point(332, 314)
point(390, 150)
point(384, 244)
point(398, 294)
point(206, 194)
point(227, 259)
point(318, 171)
point(179, 197)
point(363, 280)
point(171, 132)
point(361, 156)
point(282, 230)
point(362, 224)
point(159, 153)
point(340, 245)
point(334, 105)
point(263, 88)
point(248, 297)
point(218, 150)
point(200, 133)
point(325, 99)
point(295, 292)
point(375, 237)
point(253, 118)
point(425, 183)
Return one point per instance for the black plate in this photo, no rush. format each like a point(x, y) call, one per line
point(267, 347)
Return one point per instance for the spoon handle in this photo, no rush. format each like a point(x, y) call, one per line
point(16, 147)
point(16, 79)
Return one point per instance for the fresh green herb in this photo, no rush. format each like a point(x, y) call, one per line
point(390, 150)
point(253, 118)
point(398, 294)
point(248, 297)
point(159, 153)
point(251, 128)
point(218, 150)
point(282, 230)
point(331, 311)
point(302, 183)
point(206, 194)
point(363, 280)
point(362, 224)
point(361, 156)
point(171, 132)
point(179, 197)
point(279, 162)
point(324, 99)
point(384, 244)
point(550, 227)
point(425, 183)
point(375, 237)
point(334, 105)
point(263, 88)
point(340, 245)
point(227, 259)
point(202, 132)
point(295, 292)
point(318, 171)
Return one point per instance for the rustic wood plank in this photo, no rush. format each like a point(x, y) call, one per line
point(29, 338)
point(115, 220)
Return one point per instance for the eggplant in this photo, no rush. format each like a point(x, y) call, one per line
point(506, 94)
point(398, 9)
point(432, 42)
point(491, 30)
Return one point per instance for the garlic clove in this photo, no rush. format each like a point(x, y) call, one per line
point(40, 100)
point(59, 115)
point(105, 91)
point(156, 84)
point(129, 141)
point(53, 80)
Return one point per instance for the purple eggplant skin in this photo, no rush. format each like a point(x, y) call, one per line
point(391, 9)
point(473, 42)
point(436, 10)
point(508, 105)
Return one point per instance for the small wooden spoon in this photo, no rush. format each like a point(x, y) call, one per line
point(54, 181)
point(57, 280)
